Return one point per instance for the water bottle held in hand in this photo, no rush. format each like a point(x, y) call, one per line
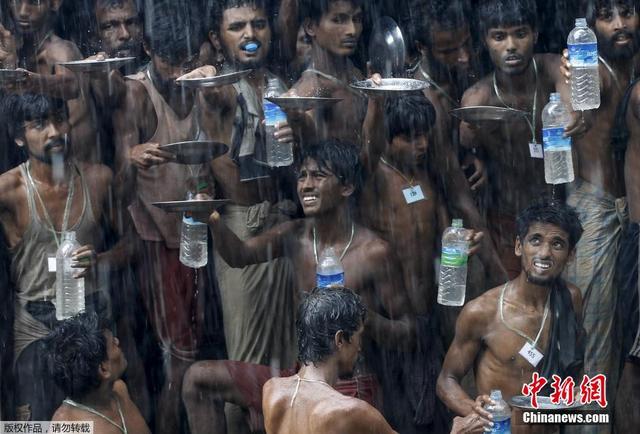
point(278, 154)
point(69, 290)
point(501, 413)
point(453, 265)
point(193, 242)
point(583, 56)
point(329, 271)
point(558, 163)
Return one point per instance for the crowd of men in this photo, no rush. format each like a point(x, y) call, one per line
point(248, 343)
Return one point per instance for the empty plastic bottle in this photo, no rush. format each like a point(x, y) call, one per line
point(583, 55)
point(329, 271)
point(453, 265)
point(69, 290)
point(278, 154)
point(501, 413)
point(558, 163)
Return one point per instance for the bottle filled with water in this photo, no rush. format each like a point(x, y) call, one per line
point(329, 271)
point(453, 265)
point(501, 413)
point(583, 56)
point(69, 290)
point(278, 154)
point(558, 163)
point(193, 241)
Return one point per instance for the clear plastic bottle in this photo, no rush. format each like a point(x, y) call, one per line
point(193, 242)
point(558, 163)
point(453, 265)
point(501, 413)
point(278, 154)
point(583, 56)
point(329, 271)
point(69, 290)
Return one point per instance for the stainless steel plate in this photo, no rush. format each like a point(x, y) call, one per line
point(13, 75)
point(303, 102)
point(97, 65)
point(544, 403)
point(391, 86)
point(487, 113)
point(191, 205)
point(196, 151)
point(386, 48)
point(218, 80)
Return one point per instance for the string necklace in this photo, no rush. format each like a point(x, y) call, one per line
point(67, 206)
point(532, 122)
point(308, 380)
point(533, 342)
point(395, 169)
point(92, 410)
point(614, 76)
point(344, 252)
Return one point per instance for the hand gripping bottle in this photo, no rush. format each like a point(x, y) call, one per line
point(501, 413)
point(558, 163)
point(583, 56)
point(69, 290)
point(453, 265)
point(278, 154)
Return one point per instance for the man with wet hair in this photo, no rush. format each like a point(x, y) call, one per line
point(599, 192)
point(530, 324)
point(31, 44)
point(512, 152)
point(119, 27)
point(329, 178)
point(49, 194)
point(157, 111)
point(85, 361)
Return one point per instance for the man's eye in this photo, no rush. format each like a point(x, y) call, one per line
point(498, 36)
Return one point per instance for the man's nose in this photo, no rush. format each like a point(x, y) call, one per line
point(351, 28)
point(463, 56)
point(23, 10)
point(53, 130)
point(123, 33)
point(617, 21)
point(511, 43)
point(249, 32)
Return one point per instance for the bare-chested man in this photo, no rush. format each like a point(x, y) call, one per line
point(87, 363)
point(599, 191)
point(328, 178)
point(34, 46)
point(49, 194)
point(536, 309)
point(523, 81)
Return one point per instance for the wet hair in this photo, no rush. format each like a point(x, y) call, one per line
point(74, 350)
point(503, 13)
point(413, 115)
point(591, 7)
point(445, 14)
point(20, 108)
point(322, 313)
point(117, 4)
point(552, 212)
point(315, 9)
point(336, 156)
point(216, 8)
point(174, 30)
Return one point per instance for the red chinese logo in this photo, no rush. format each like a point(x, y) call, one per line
point(592, 389)
point(562, 390)
point(532, 389)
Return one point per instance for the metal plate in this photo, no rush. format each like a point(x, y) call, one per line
point(97, 65)
point(391, 86)
point(218, 80)
point(303, 102)
point(386, 48)
point(487, 113)
point(191, 205)
point(544, 403)
point(196, 151)
point(13, 75)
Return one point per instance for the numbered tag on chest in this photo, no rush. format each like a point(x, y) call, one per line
point(413, 194)
point(531, 354)
point(51, 263)
point(535, 149)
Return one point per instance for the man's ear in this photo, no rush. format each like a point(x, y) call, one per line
point(339, 339)
point(214, 38)
point(518, 247)
point(55, 5)
point(19, 142)
point(348, 190)
point(572, 254)
point(104, 370)
point(309, 27)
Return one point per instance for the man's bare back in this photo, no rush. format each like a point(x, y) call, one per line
point(317, 408)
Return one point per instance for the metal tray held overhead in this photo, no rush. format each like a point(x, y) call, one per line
point(218, 80)
point(390, 86)
point(97, 65)
point(473, 114)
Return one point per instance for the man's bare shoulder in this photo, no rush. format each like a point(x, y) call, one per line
point(350, 415)
point(634, 104)
point(96, 172)
point(61, 50)
point(135, 102)
point(10, 183)
point(576, 298)
point(480, 311)
point(369, 241)
point(478, 94)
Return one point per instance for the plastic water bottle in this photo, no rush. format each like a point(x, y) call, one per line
point(278, 154)
point(329, 271)
point(583, 55)
point(453, 265)
point(501, 413)
point(69, 290)
point(558, 163)
point(193, 243)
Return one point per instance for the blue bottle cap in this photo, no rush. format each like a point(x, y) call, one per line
point(251, 47)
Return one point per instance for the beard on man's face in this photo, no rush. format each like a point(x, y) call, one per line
point(541, 281)
point(610, 50)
